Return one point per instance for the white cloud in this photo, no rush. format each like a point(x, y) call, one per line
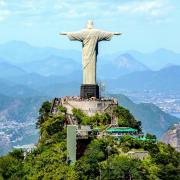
point(2, 3)
point(4, 12)
point(149, 8)
point(51, 10)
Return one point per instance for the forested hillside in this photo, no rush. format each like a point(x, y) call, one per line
point(104, 158)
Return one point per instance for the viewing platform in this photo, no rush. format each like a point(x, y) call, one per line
point(89, 106)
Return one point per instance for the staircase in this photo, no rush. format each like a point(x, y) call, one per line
point(56, 102)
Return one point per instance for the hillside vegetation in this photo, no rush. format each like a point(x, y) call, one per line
point(104, 158)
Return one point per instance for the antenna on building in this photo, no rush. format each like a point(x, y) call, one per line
point(102, 88)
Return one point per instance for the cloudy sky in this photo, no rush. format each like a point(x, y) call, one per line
point(146, 24)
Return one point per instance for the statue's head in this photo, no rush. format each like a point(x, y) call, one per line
point(90, 24)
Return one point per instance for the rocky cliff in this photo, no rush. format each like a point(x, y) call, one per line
point(172, 137)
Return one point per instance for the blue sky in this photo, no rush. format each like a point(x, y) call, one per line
point(146, 24)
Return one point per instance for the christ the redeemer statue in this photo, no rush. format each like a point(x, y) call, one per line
point(90, 37)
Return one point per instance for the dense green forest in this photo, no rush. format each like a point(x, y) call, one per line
point(104, 158)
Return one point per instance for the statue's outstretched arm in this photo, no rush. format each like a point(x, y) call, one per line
point(73, 36)
point(106, 36)
point(63, 33)
point(117, 33)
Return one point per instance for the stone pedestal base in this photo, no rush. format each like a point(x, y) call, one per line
point(89, 90)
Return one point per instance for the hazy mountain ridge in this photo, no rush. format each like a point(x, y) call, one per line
point(163, 80)
point(118, 66)
point(48, 60)
point(157, 59)
point(52, 65)
point(10, 88)
point(8, 70)
point(21, 52)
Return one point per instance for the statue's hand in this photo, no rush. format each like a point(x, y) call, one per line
point(63, 33)
point(117, 33)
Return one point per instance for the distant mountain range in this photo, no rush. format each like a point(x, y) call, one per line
point(9, 88)
point(32, 85)
point(22, 52)
point(166, 79)
point(153, 119)
point(53, 61)
point(118, 66)
point(157, 59)
point(8, 70)
point(35, 67)
point(52, 65)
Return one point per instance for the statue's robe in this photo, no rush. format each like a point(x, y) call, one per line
point(89, 39)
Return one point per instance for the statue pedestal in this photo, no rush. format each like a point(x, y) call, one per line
point(89, 90)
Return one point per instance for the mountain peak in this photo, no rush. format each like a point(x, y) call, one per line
point(16, 43)
point(128, 61)
point(164, 51)
point(171, 67)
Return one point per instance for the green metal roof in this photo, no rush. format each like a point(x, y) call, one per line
point(146, 139)
point(121, 130)
point(96, 129)
point(142, 138)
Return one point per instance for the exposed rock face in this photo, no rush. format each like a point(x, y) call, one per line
point(172, 137)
